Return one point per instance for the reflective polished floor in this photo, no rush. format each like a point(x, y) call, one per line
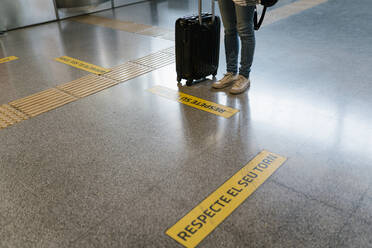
point(120, 167)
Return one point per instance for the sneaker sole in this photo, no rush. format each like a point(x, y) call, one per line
point(223, 86)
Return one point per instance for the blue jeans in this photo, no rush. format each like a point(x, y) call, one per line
point(238, 20)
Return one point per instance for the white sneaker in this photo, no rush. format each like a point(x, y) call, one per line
point(228, 79)
point(240, 85)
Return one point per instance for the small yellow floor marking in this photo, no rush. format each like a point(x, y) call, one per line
point(82, 65)
point(7, 59)
point(204, 218)
point(193, 101)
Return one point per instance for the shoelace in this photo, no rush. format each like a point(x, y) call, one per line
point(239, 82)
point(226, 77)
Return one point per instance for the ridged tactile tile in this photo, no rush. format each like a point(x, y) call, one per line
point(42, 102)
point(87, 85)
point(127, 71)
point(112, 23)
point(168, 36)
point(156, 60)
point(170, 50)
point(154, 32)
point(10, 116)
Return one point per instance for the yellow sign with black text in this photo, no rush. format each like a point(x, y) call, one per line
point(195, 102)
point(204, 218)
point(82, 65)
point(7, 59)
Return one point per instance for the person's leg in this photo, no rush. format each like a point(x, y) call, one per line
point(245, 25)
point(227, 8)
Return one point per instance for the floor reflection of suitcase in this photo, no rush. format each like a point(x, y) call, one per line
point(197, 45)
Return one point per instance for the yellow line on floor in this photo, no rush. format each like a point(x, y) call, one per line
point(205, 217)
point(82, 65)
point(7, 59)
point(194, 102)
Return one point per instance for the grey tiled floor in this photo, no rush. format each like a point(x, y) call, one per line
point(118, 168)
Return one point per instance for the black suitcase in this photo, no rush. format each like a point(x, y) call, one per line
point(197, 46)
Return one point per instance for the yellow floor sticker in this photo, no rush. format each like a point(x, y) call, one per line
point(82, 65)
point(205, 217)
point(195, 102)
point(7, 59)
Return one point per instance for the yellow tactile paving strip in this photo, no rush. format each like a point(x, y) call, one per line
point(42, 102)
point(110, 23)
point(10, 116)
point(47, 100)
point(127, 71)
point(156, 60)
point(131, 27)
point(169, 36)
point(154, 32)
point(87, 85)
point(171, 50)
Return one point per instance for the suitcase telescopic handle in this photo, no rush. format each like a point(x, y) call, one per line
point(200, 11)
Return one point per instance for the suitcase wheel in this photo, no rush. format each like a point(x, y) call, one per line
point(189, 82)
point(179, 79)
